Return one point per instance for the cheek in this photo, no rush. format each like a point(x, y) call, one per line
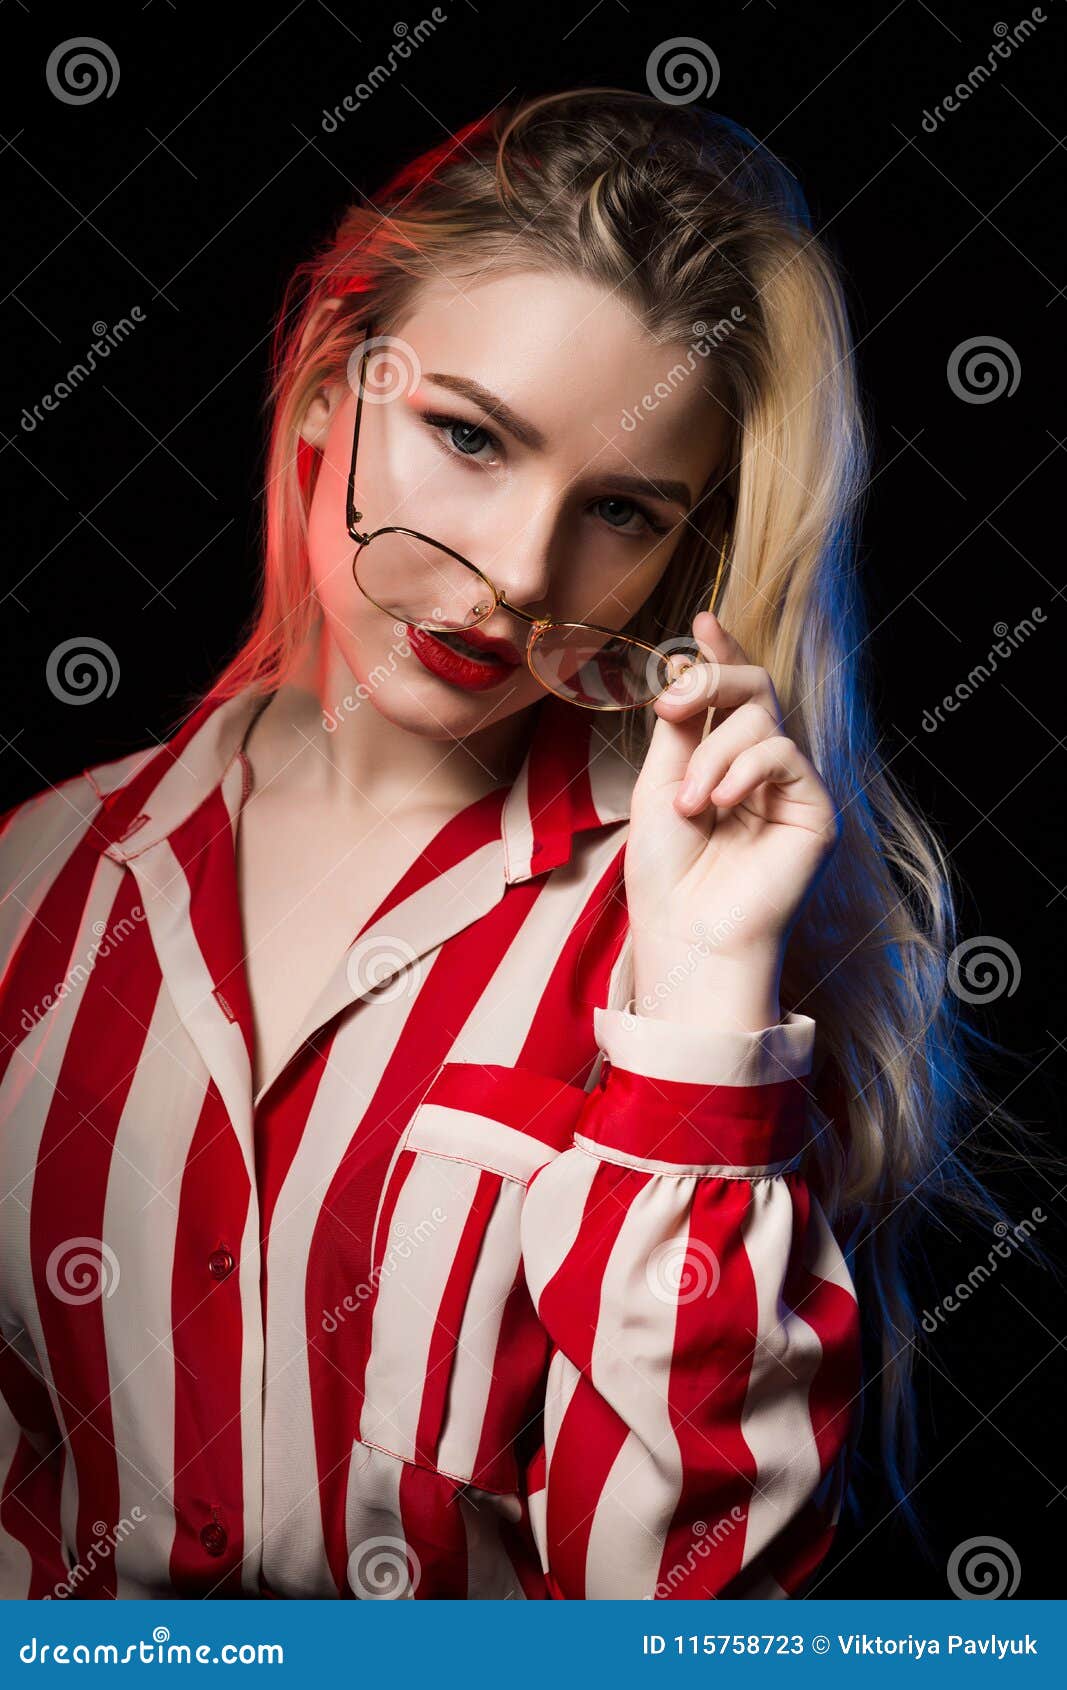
point(647, 578)
point(330, 547)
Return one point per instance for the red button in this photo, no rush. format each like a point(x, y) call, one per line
point(220, 1262)
point(213, 1537)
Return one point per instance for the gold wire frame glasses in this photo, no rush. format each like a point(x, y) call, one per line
point(424, 583)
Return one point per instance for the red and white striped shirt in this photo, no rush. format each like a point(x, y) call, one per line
point(495, 1289)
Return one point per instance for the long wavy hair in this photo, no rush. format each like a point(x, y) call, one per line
point(707, 237)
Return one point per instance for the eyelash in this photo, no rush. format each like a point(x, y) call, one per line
point(440, 421)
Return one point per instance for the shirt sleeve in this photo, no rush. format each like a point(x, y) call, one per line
point(704, 1344)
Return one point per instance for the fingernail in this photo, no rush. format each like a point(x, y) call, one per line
point(690, 792)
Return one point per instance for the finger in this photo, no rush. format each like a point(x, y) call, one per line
point(713, 757)
point(778, 761)
point(713, 685)
point(723, 643)
point(678, 732)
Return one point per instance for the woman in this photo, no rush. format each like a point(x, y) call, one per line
point(444, 1079)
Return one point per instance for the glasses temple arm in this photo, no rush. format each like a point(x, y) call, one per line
point(718, 573)
point(352, 514)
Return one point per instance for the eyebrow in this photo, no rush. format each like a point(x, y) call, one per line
point(663, 487)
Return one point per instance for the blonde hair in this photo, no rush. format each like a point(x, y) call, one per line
point(686, 218)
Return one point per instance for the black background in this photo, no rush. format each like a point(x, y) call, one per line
point(132, 510)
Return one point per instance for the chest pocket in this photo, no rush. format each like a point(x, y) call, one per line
point(456, 1349)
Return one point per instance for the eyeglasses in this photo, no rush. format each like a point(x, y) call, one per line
point(428, 586)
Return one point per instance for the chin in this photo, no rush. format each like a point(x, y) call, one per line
point(420, 704)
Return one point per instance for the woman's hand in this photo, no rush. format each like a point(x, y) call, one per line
point(728, 836)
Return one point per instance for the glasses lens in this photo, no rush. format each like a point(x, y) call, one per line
point(600, 673)
point(416, 581)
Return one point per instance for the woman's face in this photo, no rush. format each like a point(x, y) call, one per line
point(503, 424)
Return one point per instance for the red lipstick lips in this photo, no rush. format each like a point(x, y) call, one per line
point(442, 655)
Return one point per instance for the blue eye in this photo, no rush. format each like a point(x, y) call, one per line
point(629, 510)
point(466, 439)
point(459, 438)
point(627, 506)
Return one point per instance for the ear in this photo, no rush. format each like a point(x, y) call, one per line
point(318, 413)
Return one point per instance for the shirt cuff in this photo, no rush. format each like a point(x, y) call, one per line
point(711, 1056)
point(699, 1098)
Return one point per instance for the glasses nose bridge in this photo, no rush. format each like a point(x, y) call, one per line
point(529, 549)
point(526, 615)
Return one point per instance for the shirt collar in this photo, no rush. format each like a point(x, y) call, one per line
point(573, 777)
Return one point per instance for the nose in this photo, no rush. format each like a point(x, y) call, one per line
point(521, 565)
